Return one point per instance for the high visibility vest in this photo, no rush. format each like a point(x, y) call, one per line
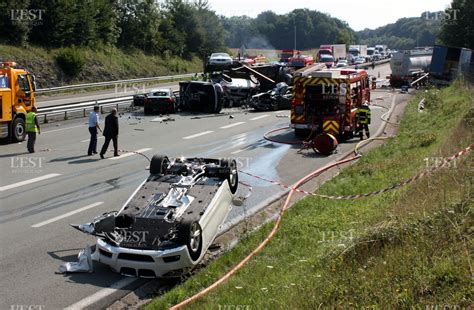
point(363, 116)
point(30, 122)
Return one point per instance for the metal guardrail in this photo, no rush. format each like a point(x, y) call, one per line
point(85, 106)
point(82, 106)
point(110, 83)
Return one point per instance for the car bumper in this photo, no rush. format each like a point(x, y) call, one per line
point(144, 263)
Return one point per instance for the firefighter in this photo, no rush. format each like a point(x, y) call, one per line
point(32, 128)
point(363, 116)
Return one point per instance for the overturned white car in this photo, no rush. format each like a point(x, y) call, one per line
point(169, 222)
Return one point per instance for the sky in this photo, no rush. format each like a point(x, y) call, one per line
point(371, 14)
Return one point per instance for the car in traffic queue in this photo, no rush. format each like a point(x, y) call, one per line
point(160, 101)
point(342, 63)
point(220, 59)
point(328, 60)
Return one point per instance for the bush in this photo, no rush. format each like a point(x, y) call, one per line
point(70, 60)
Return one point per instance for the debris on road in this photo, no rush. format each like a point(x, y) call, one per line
point(84, 263)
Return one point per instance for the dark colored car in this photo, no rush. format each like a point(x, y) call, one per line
point(160, 101)
point(276, 99)
point(201, 96)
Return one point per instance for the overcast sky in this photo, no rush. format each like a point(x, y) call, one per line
point(377, 12)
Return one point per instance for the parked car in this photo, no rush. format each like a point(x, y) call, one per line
point(275, 99)
point(160, 101)
point(220, 59)
point(166, 227)
point(236, 90)
point(342, 63)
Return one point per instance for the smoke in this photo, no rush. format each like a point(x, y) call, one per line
point(263, 46)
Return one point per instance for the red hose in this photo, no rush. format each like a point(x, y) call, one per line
point(265, 136)
point(267, 239)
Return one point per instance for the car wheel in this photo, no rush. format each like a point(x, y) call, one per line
point(190, 234)
point(233, 176)
point(18, 129)
point(159, 164)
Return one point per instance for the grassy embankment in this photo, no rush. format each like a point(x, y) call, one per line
point(410, 247)
point(100, 65)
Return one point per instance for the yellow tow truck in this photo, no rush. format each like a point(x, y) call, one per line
point(17, 97)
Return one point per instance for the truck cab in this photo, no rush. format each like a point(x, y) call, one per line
point(17, 97)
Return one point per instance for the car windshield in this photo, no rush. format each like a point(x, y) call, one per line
point(161, 93)
point(220, 55)
point(327, 58)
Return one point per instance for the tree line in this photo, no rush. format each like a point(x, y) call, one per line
point(187, 28)
point(405, 33)
point(270, 30)
point(174, 27)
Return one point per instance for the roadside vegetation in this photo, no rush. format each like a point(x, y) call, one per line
point(97, 65)
point(412, 247)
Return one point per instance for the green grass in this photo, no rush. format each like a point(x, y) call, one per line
point(407, 248)
point(101, 65)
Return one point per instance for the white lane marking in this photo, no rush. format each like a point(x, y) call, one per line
point(92, 299)
point(259, 117)
point(87, 140)
point(237, 152)
point(38, 179)
point(131, 153)
point(198, 135)
point(61, 129)
point(57, 218)
point(232, 125)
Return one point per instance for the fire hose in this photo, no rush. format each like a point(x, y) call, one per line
point(294, 189)
point(276, 226)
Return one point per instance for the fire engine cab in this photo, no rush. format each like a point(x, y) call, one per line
point(326, 101)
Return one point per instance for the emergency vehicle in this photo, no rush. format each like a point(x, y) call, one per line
point(17, 98)
point(326, 101)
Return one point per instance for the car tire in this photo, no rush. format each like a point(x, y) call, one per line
point(233, 176)
point(18, 129)
point(190, 234)
point(159, 164)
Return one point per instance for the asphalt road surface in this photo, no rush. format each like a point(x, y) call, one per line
point(42, 194)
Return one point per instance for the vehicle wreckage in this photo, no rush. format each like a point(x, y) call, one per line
point(166, 226)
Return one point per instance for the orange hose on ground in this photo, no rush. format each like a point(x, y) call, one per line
point(267, 239)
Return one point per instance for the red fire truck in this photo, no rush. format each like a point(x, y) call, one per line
point(325, 102)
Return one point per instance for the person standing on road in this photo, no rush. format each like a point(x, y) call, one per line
point(363, 117)
point(93, 127)
point(111, 131)
point(32, 127)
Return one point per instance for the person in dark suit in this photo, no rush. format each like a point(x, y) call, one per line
point(111, 131)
